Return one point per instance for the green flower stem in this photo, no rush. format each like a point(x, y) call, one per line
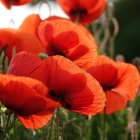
point(90, 28)
point(111, 41)
point(77, 18)
point(57, 124)
point(6, 127)
point(104, 124)
point(44, 133)
point(14, 126)
point(49, 137)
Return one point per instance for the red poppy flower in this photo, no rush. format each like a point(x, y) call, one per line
point(28, 98)
point(85, 11)
point(68, 84)
point(9, 3)
point(20, 40)
point(116, 79)
point(62, 37)
point(33, 20)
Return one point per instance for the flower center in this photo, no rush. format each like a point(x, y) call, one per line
point(59, 98)
point(78, 11)
point(22, 113)
point(109, 87)
point(56, 51)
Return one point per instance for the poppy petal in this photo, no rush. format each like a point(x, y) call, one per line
point(89, 101)
point(33, 20)
point(20, 40)
point(114, 102)
point(89, 10)
point(62, 74)
point(76, 87)
point(78, 46)
point(33, 94)
point(127, 74)
point(10, 97)
point(116, 79)
point(8, 3)
point(104, 70)
point(21, 2)
point(27, 64)
point(14, 88)
point(49, 29)
point(36, 121)
point(81, 92)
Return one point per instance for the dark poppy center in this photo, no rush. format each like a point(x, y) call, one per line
point(105, 87)
point(56, 51)
point(52, 93)
point(59, 98)
point(59, 53)
point(55, 96)
point(67, 105)
point(78, 11)
point(22, 113)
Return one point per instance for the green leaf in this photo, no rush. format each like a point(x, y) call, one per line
point(3, 49)
point(6, 62)
point(43, 55)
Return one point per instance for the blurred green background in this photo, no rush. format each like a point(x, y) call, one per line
point(127, 42)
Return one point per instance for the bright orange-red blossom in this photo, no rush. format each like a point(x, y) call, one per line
point(9, 3)
point(87, 51)
point(119, 80)
point(33, 20)
point(68, 84)
point(62, 37)
point(28, 98)
point(20, 41)
point(84, 11)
